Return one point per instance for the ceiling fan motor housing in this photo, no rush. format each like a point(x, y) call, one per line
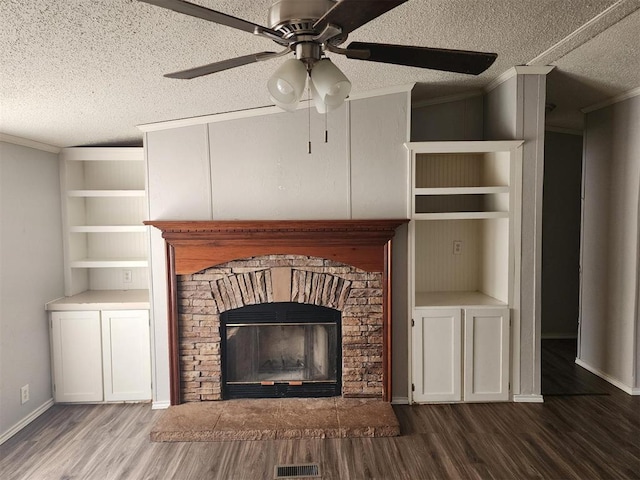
point(296, 17)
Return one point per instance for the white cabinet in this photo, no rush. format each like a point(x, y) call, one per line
point(101, 355)
point(126, 355)
point(104, 205)
point(437, 355)
point(77, 359)
point(464, 248)
point(452, 363)
point(486, 354)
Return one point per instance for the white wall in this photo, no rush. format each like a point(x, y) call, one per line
point(259, 167)
point(452, 120)
point(31, 274)
point(379, 163)
point(501, 111)
point(609, 316)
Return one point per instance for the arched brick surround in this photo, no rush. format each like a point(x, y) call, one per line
point(202, 296)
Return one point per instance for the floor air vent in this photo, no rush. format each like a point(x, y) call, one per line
point(310, 470)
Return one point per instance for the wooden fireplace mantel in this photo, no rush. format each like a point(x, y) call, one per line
point(201, 244)
point(193, 246)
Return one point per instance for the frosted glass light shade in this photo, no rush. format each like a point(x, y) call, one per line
point(286, 85)
point(321, 107)
point(332, 85)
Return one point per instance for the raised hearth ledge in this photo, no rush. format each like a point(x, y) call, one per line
point(271, 419)
point(196, 245)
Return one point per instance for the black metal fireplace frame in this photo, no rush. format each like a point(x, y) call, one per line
point(281, 312)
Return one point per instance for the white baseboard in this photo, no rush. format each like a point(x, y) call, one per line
point(160, 405)
point(613, 381)
point(26, 421)
point(400, 400)
point(528, 398)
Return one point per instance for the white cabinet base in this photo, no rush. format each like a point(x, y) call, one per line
point(437, 355)
point(77, 361)
point(486, 362)
point(126, 355)
point(450, 365)
point(101, 356)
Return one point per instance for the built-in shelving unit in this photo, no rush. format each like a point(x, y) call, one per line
point(104, 205)
point(462, 197)
point(464, 228)
point(100, 329)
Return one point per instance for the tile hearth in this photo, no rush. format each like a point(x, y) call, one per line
point(286, 418)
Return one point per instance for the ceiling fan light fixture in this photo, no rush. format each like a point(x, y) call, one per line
point(332, 86)
point(321, 107)
point(286, 85)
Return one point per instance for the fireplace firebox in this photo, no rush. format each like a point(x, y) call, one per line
point(282, 349)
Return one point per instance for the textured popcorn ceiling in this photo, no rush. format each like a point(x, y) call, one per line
point(83, 72)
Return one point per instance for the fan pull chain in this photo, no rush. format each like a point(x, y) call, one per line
point(326, 130)
point(309, 112)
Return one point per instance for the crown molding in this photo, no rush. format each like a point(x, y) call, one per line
point(610, 101)
point(25, 142)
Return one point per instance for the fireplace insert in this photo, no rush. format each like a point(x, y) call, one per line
point(286, 349)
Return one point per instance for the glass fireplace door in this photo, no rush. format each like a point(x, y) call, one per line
point(292, 350)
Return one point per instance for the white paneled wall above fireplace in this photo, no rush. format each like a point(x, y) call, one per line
point(261, 168)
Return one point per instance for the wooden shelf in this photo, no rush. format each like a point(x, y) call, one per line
point(476, 146)
point(460, 215)
point(461, 190)
point(108, 229)
point(457, 299)
point(102, 300)
point(109, 263)
point(106, 193)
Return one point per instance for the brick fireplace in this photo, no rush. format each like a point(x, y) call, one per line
point(217, 267)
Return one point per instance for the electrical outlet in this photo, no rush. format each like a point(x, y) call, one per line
point(127, 276)
point(24, 394)
point(457, 247)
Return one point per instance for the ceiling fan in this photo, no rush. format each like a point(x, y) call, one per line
point(310, 28)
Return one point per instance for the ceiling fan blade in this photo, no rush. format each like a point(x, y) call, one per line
point(352, 14)
point(460, 61)
point(204, 13)
point(223, 65)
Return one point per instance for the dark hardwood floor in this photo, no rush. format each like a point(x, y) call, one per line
point(567, 437)
point(561, 375)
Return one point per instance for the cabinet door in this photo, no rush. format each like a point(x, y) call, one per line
point(437, 356)
point(126, 355)
point(77, 356)
point(486, 353)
